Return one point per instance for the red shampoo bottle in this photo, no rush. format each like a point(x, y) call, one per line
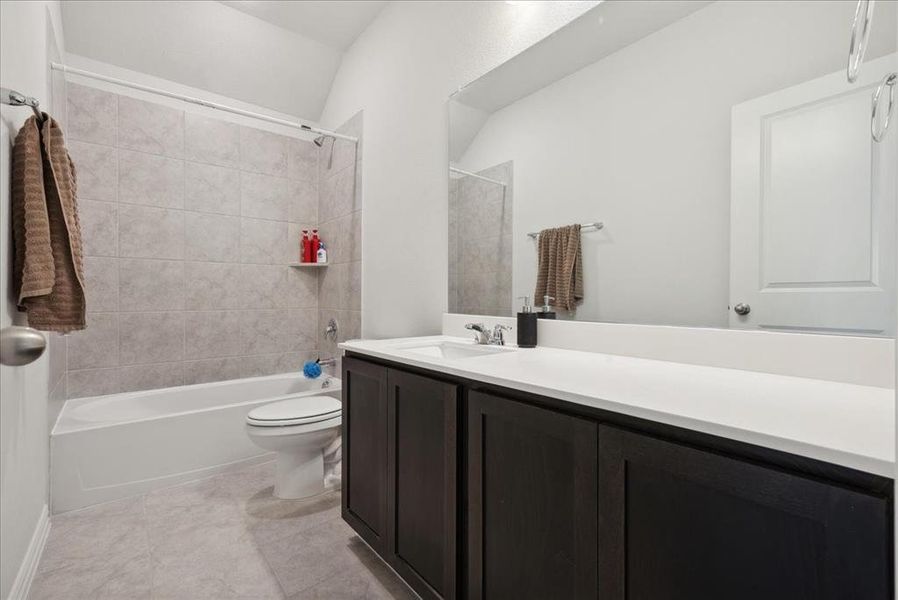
point(316, 243)
point(305, 247)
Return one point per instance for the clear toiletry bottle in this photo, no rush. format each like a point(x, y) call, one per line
point(546, 311)
point(526, 325)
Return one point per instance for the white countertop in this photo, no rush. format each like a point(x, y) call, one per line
point(840, 423)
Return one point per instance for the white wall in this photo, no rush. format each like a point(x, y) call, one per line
point(400, 71)
point(206, 45)
point(25, 46)
point(641, 141)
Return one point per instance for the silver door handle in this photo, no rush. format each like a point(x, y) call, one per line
point(21, 345)
point(742, 309)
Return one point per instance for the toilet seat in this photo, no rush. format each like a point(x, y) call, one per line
point(299, 410)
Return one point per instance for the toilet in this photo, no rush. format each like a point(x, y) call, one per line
point(299, 430)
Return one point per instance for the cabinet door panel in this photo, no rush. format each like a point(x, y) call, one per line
point(532, 477)
point(365, 450)
point(421, 494)
point(677, 523)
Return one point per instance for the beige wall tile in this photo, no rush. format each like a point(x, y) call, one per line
point(165, 238)
point(149, 377)
point(99, 227)
point(148, 285)
point(212, 189)
point(355, 235)
point(344, 191)
point(97, 170)
point(95, 346)
point(327, 209)
point(303, 202)
point(214, 369)
point(101, 283)
point(301, 288)
point(150, 127)
point(263, 242)
point(265, 331)
point(302, 330)
point(91, 382)
point(211, 141)
point(263, 196)
point(263, 286)
point(210, 237)
point(147, 232)
point(150, 180)
point(263, 152)
point(302, 160)
point(151, 337)
point(90, 114)
point(211, 286)
point(211, 334)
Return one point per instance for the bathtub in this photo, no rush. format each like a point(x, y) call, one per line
point(110, 447)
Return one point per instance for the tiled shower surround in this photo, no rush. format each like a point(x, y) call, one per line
point(480, 245)
point(189, 225)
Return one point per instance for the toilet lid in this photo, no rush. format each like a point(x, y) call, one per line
point(295, 411)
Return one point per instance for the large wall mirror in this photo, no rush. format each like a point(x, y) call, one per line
point(719, 162)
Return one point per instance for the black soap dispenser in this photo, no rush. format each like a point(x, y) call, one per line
point(526, 325)
point(546, 312)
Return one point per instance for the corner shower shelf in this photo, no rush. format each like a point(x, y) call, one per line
point(305, 265)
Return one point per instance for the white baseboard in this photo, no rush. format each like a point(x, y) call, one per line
point(22, 585)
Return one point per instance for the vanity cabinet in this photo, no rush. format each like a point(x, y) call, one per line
point(400, 471)
point(681, 523)
point(364, 494)
point(421, 482)
point(473, 491)
point(532, 484)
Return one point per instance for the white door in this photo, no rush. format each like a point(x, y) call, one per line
point(813, 209)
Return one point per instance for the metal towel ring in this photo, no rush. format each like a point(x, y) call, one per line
point(858, 46)
point(890, 81)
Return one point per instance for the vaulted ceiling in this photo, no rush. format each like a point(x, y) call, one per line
point(280, 55)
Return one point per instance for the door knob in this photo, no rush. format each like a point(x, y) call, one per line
point(742, 309)
point(21, 345)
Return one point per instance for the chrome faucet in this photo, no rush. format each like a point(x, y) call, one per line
point(484, 336)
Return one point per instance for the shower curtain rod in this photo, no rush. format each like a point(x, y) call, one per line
point(208, 104)
point(476, 176)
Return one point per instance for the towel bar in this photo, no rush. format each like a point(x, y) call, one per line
point(597, 225)
point(14, 98)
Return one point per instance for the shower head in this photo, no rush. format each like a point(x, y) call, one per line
point(319, 141)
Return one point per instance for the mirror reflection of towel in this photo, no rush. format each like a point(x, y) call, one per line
point(47, 270)
point(560, 267)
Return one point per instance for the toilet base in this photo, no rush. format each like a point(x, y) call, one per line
point(299, 474)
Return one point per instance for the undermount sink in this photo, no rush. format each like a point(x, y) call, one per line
point(456, 350)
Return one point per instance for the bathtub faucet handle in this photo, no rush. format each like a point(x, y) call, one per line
point(330, 332)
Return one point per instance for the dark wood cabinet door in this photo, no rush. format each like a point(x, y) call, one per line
point(364, 503)
point(421, 482)
point(532, 477)
point(678, 523)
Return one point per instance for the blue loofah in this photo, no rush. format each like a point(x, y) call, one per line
point(311, 369)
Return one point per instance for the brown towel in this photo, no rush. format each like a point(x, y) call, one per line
point(560, 267)
point(48, 272)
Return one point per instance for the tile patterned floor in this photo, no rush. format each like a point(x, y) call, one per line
point(221, 538)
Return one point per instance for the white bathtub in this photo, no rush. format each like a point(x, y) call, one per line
point(109, 447)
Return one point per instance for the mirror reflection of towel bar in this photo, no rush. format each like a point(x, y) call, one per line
point(594, 226)
point(879, 131)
